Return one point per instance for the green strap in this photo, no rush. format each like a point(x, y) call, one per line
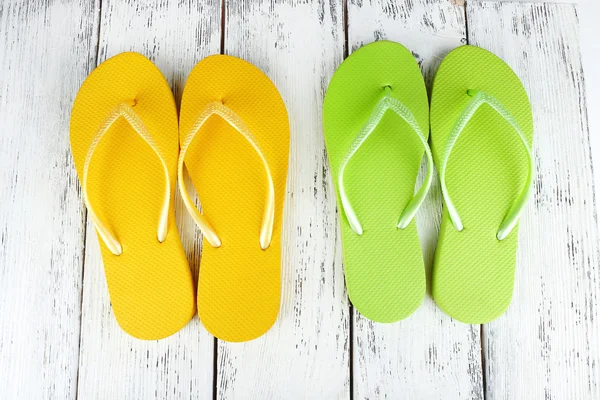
point(478, 99)
point(386, 103)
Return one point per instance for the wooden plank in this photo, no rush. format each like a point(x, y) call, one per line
point(588, 12)
point(305, 355)
point(427, 355)
point(175, 35)
point(534, 1)
point(46, 50)
point(547, 344)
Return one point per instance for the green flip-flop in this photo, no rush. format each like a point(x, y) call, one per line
point(376, 120)
point(481, 134)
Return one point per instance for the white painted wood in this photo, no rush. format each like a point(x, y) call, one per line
point(530, 1)
point(306, 354)
point(175, 35)
point(588, 13)
point(548, 343)
point(428, 355)
point(546, 346)
point(41, 217)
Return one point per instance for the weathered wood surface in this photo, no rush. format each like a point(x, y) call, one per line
point(58, 337)
point(530, 1)
point(41, 216)
point(428, 355)
point(175, 36)
point(548, 343)
point(306, 354)
point(589, 30)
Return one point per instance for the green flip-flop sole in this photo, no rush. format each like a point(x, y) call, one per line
point(473, 272)
point(384, 270)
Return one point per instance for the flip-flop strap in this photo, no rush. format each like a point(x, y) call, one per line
point(217, 108)
point(479, 98)
point(386, 103)
point(127, 112)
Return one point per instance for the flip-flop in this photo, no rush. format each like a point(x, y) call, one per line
point(481, 134)
point(125, 147)
point(234, 135)
point(376, 120)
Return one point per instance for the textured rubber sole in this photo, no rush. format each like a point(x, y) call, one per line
point(473, 272)
point(384, 270)
point(239, 283)
point(150, 283)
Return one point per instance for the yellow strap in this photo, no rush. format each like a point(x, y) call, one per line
point(107, 235)
point(217, 108)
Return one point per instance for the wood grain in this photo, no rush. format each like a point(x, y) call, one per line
point(175, 35)
point(427, 355)
point(589, 29)
point(306, 354)
point(530, 1)
point(46, 50)
point(547, 344)
point(58, 337)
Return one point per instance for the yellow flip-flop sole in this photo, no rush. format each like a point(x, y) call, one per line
point(150, 284)
point(239, 283)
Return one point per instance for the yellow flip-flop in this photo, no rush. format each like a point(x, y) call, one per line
point(125, 145)
point(234, 136)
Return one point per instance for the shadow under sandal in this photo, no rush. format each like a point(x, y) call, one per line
point(481, 134)
point(376, 120)
point(125, 147)
point(235, 135)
